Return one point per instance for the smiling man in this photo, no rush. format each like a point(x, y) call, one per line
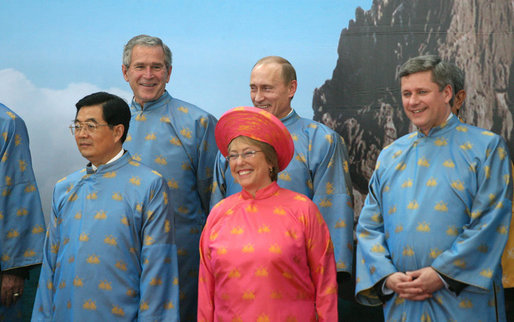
point(435, 221)
point(176, 139)
point(319, 168)
point(109, 251)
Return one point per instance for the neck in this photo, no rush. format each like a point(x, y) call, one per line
point(107, 158)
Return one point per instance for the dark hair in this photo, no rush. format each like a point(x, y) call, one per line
point(114, 109)
point(458, 77)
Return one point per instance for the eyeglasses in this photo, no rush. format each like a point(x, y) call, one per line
point(89, 127)
point(244, 155)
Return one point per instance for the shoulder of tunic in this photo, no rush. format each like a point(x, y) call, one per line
point(11, 122)
point(186, 110)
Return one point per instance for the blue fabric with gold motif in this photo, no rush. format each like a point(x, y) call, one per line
point(441, 200)
point(177, 139)
point(319, 170)
point(109, 254)
point(22, 224)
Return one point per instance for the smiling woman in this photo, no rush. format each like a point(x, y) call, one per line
point(265, 252)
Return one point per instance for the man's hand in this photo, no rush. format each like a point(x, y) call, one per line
point(423, 283)
point(11, 289)
point(398, 282)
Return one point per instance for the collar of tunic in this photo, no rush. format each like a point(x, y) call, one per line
point(445, 127)
point(161, 101)
point(112, 166)
point(290, 118)
point(263, 193)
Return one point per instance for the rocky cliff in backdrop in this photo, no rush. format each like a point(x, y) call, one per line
point(362, 100)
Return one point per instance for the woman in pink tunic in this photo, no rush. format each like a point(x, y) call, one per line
point(266, 253)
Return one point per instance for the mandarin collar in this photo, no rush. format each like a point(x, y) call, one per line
point(290, 118)
point(125, 158)
point(164, 99)
point(262, 193)
point(448, 125)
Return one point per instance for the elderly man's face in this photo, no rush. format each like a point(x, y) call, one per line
point(424, 104)
point(101, 144)
point(147, 73)
point(269, 91)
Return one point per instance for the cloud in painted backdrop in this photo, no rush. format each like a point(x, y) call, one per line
point(47, 114)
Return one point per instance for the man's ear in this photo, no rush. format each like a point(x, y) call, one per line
point(292, 88)
point(460, 96)
point(118, 131)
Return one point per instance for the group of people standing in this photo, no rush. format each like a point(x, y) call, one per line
point(250, 218)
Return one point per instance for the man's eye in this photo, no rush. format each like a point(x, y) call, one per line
point(91, 126)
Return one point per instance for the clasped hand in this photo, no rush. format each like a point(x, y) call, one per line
point(416, 285)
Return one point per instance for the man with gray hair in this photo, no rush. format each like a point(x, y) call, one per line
point(176, 139)
point(436, 218)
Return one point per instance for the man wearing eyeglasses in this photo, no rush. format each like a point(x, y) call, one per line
point(109, 252)
point(22, 224)
point(176, 139)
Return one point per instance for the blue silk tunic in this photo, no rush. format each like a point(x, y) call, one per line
point(441, 200)
point(22, 224)
point(176, 139)
point(109, 254)
point(319, 170)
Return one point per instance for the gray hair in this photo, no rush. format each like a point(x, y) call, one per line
point(442, 72)
point(148, 41)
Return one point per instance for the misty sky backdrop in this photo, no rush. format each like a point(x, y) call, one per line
point(55, 52)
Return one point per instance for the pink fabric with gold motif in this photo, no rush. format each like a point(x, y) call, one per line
point(266, 258)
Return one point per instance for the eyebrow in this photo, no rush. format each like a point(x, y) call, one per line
point(88, 120)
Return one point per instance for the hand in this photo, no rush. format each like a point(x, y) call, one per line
point(424, 283)
point(394, 280)
point(11, 285)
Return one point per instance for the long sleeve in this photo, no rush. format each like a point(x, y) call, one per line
point(477, 249)
point(320, 256)
point(372, 266)
point(22, 223)
point(219, 184)
point(159, 276)
point(207, 150)
point(43, 305)
point(205, 280)
point(332, 193)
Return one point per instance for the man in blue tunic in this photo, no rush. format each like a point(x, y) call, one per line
point(435, 221)
point(109, 252)
point(319, 168)
point(22, 224)
point(176, 139)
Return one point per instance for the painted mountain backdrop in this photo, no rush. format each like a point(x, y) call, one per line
point(362, 100)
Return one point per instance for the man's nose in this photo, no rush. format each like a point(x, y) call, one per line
point(413, 99)
point(258, 97)
point(148, 72)
point(82, 131)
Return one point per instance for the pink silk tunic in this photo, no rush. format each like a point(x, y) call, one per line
point(268, 258)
